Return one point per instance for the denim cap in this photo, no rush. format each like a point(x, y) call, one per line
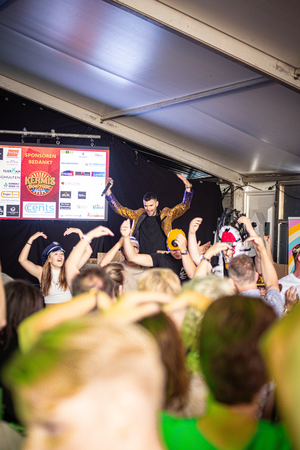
point(53, 247)
point(133, 240)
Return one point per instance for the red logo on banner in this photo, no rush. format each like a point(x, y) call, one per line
point(39, 183)
point(13, 153)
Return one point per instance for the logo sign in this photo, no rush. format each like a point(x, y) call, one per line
point(10, 194)
point(82, 195)
point(40, 183)
point(65, 194)
point(12, 210)
point(67, 173)
point(98, 174)
point(83, 174)
point(39, 210)
point(13, 153)
point(1, 210)
point(65, 206)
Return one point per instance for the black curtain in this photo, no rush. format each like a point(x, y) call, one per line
point(133, 176)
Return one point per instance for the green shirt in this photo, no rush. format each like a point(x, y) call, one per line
point(183, 434)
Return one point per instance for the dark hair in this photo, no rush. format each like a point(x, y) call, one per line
point(83, 282)
point(22, 300)
point(173, 356)
point(242, 270)
point(149, 196)
point(116, 272)
point(229, 353)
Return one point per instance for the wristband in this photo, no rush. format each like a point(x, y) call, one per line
point(84, 236)
point(28, 243)
point(206, 259)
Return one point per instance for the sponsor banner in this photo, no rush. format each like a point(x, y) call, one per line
point(52, 182)
point(40, 210)
point(40, 173)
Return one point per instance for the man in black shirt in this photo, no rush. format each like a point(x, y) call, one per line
point(175, 260)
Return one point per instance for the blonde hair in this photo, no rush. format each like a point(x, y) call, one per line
point(84, 350)
point(47, 278)
point(159, 280)
point(210, 286)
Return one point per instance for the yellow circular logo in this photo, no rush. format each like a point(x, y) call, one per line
point(40, 183)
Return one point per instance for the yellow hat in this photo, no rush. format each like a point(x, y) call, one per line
point(171, 238)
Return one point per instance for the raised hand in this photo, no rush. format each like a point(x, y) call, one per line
point(125, 228)
point(37, 235)
point(184, 180)
point(73, 230)
point(195, 224)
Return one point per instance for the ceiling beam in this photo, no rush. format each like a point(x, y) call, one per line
point(270, 177)
point(260, 81)
point(113, 127)
point(214, 39)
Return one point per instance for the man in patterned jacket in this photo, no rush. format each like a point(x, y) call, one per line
point(151, 226)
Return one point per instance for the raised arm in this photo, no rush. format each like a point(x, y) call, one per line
point(88, 250)
point(109, 256)
point(3, 320)
point(267, 241)
point(248, 225)
point(78, 252)
point(116, 206)
point(252, 233)
point(187, 262)
point(205, 267)
point(132, 256)
point(33, 326)
point(267, 268)
point(31, 268)
point(192, 240)
point(182, 207)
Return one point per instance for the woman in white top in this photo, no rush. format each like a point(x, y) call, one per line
point(52, 275)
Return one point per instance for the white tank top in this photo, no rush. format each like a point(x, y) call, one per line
point(56, 293)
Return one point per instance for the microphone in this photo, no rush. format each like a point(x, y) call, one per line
point(109, 184)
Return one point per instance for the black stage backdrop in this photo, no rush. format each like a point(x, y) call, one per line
point(133, 176)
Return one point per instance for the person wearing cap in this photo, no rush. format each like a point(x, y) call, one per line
point(177, 259)
point(291, 283)
point(151, 226)
point(52, 275)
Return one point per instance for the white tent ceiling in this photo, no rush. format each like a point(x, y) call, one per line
point(214, 84)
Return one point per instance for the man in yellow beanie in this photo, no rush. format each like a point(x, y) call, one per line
point(176, 259)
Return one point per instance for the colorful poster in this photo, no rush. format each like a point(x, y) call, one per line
point(294, 239)
point(38, 182)
point(10, 182)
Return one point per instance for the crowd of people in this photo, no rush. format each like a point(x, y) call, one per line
point(172, 347)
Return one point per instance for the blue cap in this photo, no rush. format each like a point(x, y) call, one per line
point(53, 247)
